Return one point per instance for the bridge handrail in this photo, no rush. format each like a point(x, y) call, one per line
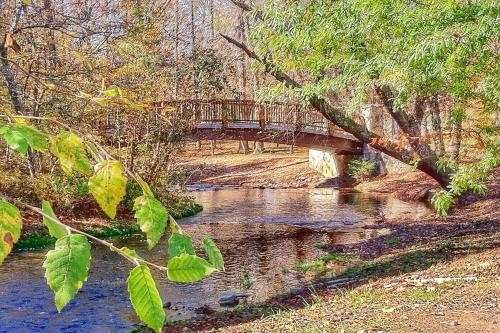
point(263, 113)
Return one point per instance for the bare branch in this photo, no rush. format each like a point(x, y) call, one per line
point(241, 4)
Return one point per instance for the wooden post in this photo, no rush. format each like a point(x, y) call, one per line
point(262, 117)
point(224, 114)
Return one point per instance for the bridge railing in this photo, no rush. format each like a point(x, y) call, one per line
point(225, 112)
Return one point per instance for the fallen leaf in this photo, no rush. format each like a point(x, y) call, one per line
point(10, 41)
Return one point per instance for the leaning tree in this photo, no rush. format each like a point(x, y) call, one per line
point(414, 58)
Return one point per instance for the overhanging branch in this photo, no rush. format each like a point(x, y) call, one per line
point(241, 4)
point(337, 117)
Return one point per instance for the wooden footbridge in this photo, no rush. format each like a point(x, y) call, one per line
point(268, 122)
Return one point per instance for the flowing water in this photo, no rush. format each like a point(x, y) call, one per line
point(262, 233)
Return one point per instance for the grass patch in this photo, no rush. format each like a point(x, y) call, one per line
point(114, 231)
point(191, 210)
point(322, 246)
point(339, 256)
point(360, 297)
point(36, 240)
point(393, 240)
point(422, 295)
point(398, 264)
point(311, 266)
point(318, 264)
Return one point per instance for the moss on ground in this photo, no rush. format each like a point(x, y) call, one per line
point(318, 264)
point(41, 239)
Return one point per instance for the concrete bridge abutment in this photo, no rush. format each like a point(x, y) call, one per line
point(329, 164)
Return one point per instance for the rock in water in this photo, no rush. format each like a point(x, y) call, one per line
point(232, 298)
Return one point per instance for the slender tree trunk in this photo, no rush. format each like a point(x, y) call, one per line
point(212, 26)
point(176, 50)
point(243, 146)
point(240, 32)
point(12, 87)
point(51, 43)
point(456, 141)
point(258, 147)
point(436, 125)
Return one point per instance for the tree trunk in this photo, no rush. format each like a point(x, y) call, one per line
point(427, 163)
point(240, 32)
point(258, 147)
point(456, 141)
point(436, 125)
point(243, 147)
point(176, 50)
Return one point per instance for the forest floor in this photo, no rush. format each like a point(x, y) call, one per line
point(428, 275)
point(277, 168)
point(274, 168)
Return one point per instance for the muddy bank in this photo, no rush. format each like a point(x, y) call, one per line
point(411, 185)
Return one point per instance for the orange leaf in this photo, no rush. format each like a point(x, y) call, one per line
point(11, 42)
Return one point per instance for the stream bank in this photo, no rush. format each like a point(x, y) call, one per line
point(428, 275)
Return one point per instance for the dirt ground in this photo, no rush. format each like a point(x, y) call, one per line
point(274, 168)
point(277, 168)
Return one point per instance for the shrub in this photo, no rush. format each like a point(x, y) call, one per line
point(360, 169)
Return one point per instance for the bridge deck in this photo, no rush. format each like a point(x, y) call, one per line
point(275, 122)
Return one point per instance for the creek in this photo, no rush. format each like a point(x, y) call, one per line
point(262, 233)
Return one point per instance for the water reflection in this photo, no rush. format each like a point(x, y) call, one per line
point(262, 234)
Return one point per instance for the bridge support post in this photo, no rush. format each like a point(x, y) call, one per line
point(330, 165)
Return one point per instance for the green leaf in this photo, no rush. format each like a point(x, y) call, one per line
point(101, 101)
point(145, 297)
point(36, 139)
point(130, 252)
point(188, 268)
point(144, 186)
point(20, 137)
point(108, 185)
point(174, 227)
point(55, 229)
point(70, 150)
point(213, 253)
point(16, 141)
point(92, 149)
point(67, 267)
point(11, 224)
point(178, 244)
point(113, 92)
point(151, 217)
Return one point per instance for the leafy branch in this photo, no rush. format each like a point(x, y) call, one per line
point(67, 265)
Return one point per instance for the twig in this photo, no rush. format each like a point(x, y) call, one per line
point(113, 248)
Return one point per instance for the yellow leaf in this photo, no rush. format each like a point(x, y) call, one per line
point(85, 95)
point(108, 185)
point(101, 101)
point(51, 86)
